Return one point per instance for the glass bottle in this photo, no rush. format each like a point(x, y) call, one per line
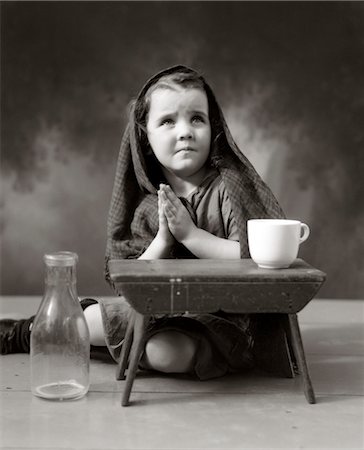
point(59, 339)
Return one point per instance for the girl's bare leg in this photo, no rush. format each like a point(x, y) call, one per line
point(170, 352)
point(167, 351)
point(94, 322)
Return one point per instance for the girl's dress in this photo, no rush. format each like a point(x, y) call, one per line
point(231, 193)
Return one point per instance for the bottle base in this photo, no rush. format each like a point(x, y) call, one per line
point(62, 390)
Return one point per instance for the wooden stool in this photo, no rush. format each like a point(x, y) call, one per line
point(174, 286)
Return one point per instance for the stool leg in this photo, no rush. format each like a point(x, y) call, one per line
point(125, 349)
point(301, 359)
point(287, 329)
point(140, 327)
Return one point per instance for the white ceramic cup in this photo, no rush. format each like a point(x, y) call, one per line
point(274, 243)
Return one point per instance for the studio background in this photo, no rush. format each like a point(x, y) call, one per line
point(289, 77)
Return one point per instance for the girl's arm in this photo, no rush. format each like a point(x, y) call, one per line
point(156, 250)
point(200, 242)
point(205, 245)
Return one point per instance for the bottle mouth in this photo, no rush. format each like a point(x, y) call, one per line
point(63, 258)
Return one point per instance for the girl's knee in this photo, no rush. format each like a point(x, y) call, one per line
point(170, 352)
point(95, 326)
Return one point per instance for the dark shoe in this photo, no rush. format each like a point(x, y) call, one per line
point(15, 336)
point(86, 302)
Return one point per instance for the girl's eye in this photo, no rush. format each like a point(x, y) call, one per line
point(198, 119)
point(167, 122)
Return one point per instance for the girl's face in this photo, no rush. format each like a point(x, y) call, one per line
point(179, 131)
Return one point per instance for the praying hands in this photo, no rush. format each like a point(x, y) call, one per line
point(173, 214)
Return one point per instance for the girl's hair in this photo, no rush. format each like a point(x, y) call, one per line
point(183, 79)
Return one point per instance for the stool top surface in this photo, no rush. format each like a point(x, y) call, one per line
point(209, 270)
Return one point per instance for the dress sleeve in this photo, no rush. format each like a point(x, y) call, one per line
point(230, 225)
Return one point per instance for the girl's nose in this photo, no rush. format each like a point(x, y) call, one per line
point(184, 132)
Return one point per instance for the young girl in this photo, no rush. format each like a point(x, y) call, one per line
point(183, 189)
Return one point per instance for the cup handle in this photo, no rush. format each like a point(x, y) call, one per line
point(306, 232)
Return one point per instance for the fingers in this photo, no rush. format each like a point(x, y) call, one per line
point(161, 212)
point(174, 210)
point(175, 213)
point(165, 210)
point(165, 195)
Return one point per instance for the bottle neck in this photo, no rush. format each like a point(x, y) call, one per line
point(60, 275)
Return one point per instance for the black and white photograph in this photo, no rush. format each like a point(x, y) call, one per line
point(182, 225)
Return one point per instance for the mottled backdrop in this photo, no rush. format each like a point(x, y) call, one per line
point(290, 79)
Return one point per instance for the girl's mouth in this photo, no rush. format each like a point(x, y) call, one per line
point(186, 149)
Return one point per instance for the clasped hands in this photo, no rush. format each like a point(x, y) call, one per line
point(175, 221)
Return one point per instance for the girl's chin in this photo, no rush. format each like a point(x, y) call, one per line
point(188, 172)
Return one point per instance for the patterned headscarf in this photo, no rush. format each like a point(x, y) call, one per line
point(133, 215)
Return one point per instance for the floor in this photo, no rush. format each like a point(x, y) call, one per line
point(235, 412)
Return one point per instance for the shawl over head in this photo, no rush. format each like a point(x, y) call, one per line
point(131, 229)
